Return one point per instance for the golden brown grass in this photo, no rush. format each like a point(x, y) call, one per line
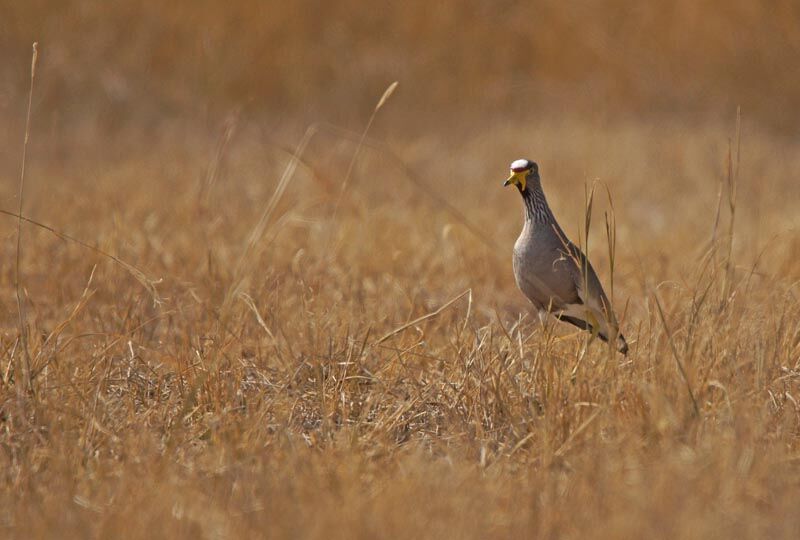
point(273, 385)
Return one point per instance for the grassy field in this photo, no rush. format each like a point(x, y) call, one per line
point(264, 323)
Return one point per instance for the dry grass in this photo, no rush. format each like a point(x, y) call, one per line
point(274, 386)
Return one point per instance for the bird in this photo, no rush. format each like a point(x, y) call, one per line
point(552, 272)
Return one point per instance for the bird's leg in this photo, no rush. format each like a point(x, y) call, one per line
point(547, 328)
point(542, 317)
point(594, 324)
point(581, 355)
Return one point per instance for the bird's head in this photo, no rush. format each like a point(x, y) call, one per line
point(522, 171)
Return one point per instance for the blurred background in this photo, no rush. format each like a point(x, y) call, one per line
point(143, 101)
point(146, 113)
point(113, 63)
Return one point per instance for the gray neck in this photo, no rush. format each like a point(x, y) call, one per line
point(536, 208)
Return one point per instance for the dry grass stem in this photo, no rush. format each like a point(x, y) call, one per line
point(337, 348)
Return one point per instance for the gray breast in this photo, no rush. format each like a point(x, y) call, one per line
point(543, 270)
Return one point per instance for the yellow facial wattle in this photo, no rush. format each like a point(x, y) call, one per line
point(518, 179)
